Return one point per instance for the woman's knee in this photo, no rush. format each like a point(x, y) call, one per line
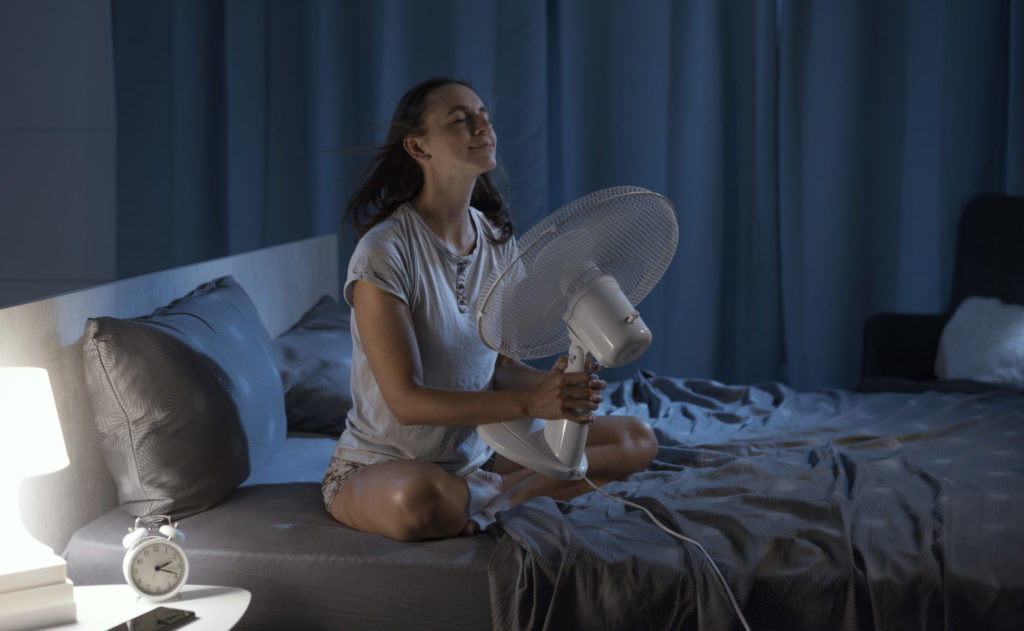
point(427, 506)
point(405, 500)
point(639, 442)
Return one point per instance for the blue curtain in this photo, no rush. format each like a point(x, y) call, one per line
point(817, 152)
point(892, 115)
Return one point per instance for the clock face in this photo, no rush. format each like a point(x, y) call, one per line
point(156, 568)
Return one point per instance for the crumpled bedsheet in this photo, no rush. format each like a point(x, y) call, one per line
point(823, 510)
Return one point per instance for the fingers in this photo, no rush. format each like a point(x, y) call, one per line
point(575, 396)
point(580, 398)
point(579, 412)
point(560, 364)
point(577, 393)
point(595, 382)
point(584, 381)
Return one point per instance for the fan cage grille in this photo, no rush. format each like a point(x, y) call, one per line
point(627, 232)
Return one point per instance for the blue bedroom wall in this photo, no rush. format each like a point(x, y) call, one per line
point(817, 152)
point(57, 139)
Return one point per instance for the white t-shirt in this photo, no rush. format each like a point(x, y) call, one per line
point(403, 257)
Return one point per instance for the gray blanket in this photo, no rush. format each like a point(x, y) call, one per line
point(824, 510)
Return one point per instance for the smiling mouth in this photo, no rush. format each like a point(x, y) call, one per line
point(486, 145)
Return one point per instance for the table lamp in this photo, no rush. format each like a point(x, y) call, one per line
point(34, 589)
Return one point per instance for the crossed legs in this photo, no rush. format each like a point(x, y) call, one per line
point(412, 500)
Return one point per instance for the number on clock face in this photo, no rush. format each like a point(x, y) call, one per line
point(156, 568)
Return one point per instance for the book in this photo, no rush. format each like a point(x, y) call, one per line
point(33, 598)
point(49, 616)
point(18, 572)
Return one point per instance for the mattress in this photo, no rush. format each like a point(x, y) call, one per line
point(305, 570)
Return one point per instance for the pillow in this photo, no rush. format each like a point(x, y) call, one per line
point(983, 341)
point(314, 358)
point(187, 400)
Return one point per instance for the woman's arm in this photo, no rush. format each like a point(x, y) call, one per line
point(512, 374)
point(385, 328)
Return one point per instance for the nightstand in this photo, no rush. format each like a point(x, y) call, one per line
point(103, 606)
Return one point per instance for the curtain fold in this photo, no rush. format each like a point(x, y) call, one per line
point(892, 116)
point(1014, 175)
point(817, 153)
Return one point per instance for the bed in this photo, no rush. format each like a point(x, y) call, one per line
point(898, 506)
point(832, 509)
point(823, 510)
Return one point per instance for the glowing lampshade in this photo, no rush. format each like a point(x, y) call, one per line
point(36, 590)
point(31, 442)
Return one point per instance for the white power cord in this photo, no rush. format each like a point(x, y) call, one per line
point(728, 591)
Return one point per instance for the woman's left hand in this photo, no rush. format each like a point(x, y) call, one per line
point(593, 368)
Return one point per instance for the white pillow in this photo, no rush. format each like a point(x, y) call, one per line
point(983, 341)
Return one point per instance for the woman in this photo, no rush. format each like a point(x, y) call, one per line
point(432, 227)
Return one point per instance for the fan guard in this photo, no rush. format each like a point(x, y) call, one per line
point(626, 232)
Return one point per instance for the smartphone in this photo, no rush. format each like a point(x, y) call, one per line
point(159, 619)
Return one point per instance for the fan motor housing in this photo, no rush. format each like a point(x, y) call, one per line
point(603, 321)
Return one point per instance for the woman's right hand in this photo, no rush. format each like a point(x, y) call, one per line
point(561, 395)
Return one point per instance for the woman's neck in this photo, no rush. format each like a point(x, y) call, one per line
point(445, 211)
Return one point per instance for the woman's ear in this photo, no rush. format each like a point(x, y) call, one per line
point(415, 148)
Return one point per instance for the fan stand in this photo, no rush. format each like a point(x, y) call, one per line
point(603, 324)
point(552, 448)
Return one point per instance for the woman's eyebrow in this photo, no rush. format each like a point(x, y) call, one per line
point(466, 108)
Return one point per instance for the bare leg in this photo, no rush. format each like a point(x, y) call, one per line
point(616, 447)
point(407, 500)
point(413, 500)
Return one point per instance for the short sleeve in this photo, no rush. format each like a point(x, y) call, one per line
point(379, 260)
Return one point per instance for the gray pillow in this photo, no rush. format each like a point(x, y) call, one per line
point(315, 361)
point(186, 400)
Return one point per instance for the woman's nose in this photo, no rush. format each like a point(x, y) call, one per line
point(481, 125)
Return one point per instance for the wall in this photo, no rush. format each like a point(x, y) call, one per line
point(57, 144)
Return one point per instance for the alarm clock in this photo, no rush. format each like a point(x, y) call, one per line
point(155, 566)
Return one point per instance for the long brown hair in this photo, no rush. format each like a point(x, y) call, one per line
point(393, 177)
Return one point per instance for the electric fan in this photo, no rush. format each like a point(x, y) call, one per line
point(573, 284)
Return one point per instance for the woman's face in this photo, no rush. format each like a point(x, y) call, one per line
point(458, 137)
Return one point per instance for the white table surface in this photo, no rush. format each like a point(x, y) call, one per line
point(103, 606)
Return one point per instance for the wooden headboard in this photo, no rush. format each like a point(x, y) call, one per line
point(283, 282)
